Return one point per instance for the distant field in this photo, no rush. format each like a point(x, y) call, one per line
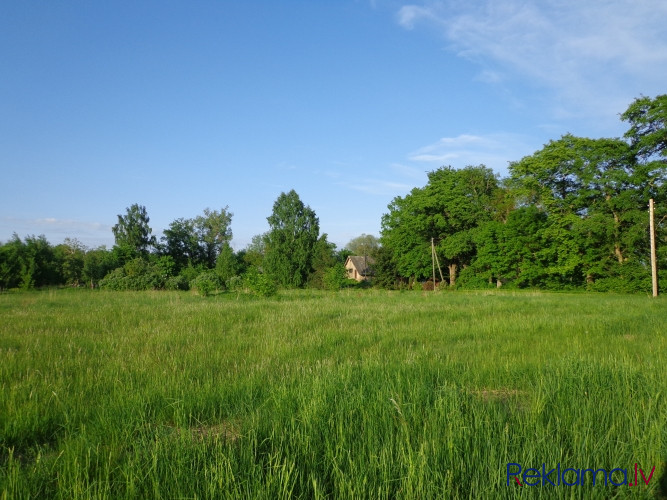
point(329, 395)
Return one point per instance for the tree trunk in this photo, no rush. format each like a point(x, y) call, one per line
point(452, 274)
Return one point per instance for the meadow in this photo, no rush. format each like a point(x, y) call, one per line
point(310, 394)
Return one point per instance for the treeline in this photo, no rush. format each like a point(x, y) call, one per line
point(571, 216)
point(574, 215)
point(192, 253)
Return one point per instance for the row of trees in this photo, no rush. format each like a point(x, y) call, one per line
point(572, 215)
point(191, 253)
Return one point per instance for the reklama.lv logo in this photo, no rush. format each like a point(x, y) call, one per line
point(574, 477)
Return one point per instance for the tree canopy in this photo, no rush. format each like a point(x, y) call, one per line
point(572, 215)
point(293, 232)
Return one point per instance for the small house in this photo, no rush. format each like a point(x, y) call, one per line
point(359, 267)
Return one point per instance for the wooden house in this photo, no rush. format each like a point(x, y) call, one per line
point(359, 267)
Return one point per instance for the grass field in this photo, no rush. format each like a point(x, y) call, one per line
point(329, 395)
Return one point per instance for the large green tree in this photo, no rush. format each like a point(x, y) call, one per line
point(71, 254)
point(365, 244)
point(198, 241)
point(447, 210)
point(594, 193)
point(132, 231)
point(214, 231)
point(293, 232)
point(180, 242)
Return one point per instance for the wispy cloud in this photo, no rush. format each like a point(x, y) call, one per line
point(493, 150)
point(90, 233)
point(596, 56)
point(380, 187)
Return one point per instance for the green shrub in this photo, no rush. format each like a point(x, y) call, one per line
point(206, 283)
point(177, 283)
point(335, 277)
point(234, 283)
point(259, 283)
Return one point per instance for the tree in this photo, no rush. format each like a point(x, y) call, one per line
point(595, 194)
point(293, 231)
point(447, 209)
point(227, 265)
point(181, 243)
point(214, 231)
point(365, 245)
point(71, 254)
point(386, 271)
point(648, 127)
point(29, 263)
point(133, 232)
point(324, 258)
point(253, 254)
point(97, 263)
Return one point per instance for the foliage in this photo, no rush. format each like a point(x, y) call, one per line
point(253, 254)
point(335, 277)
point(290, 242)
point(29, 263)
point(198, 241)
point(386, 271)
point(176, 283)
point(141, 274)
point(213, 231)
point(572, 215)
point(227, 263)
point(181, 244)
point(206, 283)
point(365, 245)
point(71, 256)
point(97, 263)
point(648, 127)
point(259, 284)
point(447, 210)
point(133, 232)
point(324, 257)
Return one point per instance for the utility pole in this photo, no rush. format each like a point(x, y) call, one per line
point(433, 262)
point(654, 261)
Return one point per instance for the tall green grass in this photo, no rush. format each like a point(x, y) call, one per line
point(327, 395)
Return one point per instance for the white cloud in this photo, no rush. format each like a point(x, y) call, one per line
point(493, 150)
point(409, 172)
point(379, 187)
point(56, 230)
point(596, 56)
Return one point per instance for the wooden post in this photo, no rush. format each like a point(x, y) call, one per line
point(654, 262)
point(433, 262)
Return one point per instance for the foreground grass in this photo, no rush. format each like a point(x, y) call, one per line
point(328, 395)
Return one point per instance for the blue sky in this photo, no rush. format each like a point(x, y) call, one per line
point(180, 106)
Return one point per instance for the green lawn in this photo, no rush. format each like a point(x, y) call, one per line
point(357, 394)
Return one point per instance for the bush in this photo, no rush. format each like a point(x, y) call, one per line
point(206, 283)
point(234, 283)
point(139, 274)
point(177, 283)
point(335, 277)
point(259, 283)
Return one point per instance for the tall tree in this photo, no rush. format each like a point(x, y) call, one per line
point(595, 196)
point(293, 232)
point(214, 231)
point(648, 127)
point(324, 258)
point(71, 254)
point(133, 232)
point(447, 209)
point(365, 244)
point(180, 242)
